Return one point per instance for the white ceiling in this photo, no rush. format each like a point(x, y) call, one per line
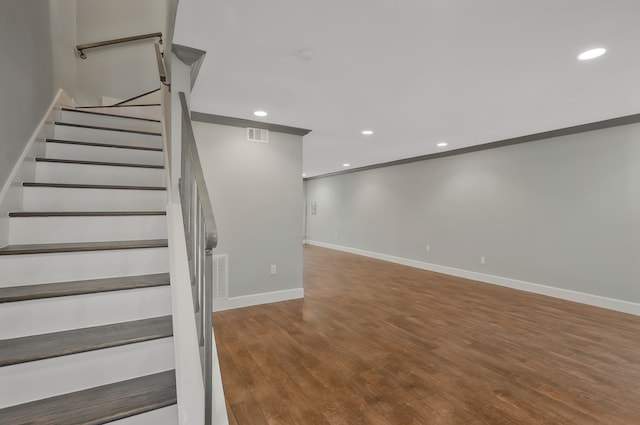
point(417, 72)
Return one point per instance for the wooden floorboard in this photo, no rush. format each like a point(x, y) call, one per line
point(56, 344)
point(97, 405)
point(380, 343)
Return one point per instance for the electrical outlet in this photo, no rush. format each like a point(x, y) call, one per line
point(428, 248)
point(273, 269)
point(483, 260)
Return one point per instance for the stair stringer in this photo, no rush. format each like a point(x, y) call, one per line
point(25, 169)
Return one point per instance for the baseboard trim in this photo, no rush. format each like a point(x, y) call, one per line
point(257, 299)
point(565, 294)
point(10, 198)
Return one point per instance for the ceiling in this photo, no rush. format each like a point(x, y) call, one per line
point(416, 72)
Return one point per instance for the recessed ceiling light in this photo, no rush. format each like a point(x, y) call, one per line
point(367, 132)
point(592, 54)
point(442, 144)
point(304, 174)
point(260, 113)
point(346, 164)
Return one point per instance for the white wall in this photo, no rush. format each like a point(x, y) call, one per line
point(26, 76)
point(124, 70)
point(36, 60)
point(63, 42)
point(562, 212)
point(256, 192)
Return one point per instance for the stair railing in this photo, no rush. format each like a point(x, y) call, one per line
point(201, 237)
point(82, 47)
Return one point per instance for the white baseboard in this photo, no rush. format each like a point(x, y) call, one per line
point(24, 168)
point(565, 294)
point(257, 299)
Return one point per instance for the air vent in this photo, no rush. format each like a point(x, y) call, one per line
point(257, 135)
point(220, 276)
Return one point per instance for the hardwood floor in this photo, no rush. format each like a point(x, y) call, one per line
point(379, 343)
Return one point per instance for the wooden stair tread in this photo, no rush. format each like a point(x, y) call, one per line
point(103, 145)
point(56, 344)
point(92, 186)
point(99, 127)
point(86, 162)
point(81, 287)
point(119, 106)
point(97, 405)
point(81, 111)
point(83, 213)
point(81, 246)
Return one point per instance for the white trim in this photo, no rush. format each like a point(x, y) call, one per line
point(16, 168)
point(257, 299)
point(536, 288)
point(24, 168)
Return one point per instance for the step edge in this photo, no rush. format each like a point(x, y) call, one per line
point(44, 214)
point(97, 127)
point(99, 163)
point(91, 186)
point(81, 247)
point(81, 111)
point(44, 294)
point(103, 145)
point(72, 351)
point(170, 401)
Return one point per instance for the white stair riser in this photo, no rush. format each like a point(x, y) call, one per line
point(47, 378)
point(97, 153)
point(18, 270)
point(34, 230)
point(152, 112)
point(36, 317)
point(165, 416)
point(109, 121)
point(107, 136)
point(56, 172)
point(70, 199)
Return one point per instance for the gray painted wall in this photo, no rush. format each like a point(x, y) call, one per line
point(124, 70)
point(63, 42)
point(256, 191)
point(563, 212)
point(26, 76)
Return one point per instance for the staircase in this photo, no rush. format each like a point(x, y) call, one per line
point(85, 309)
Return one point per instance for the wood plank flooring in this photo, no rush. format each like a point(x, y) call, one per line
point(379, 343)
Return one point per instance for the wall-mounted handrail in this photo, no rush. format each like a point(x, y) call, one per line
point(162, 71)
point(201, 237)
point(82, 47)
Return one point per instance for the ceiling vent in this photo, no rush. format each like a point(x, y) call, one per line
point(257, 135)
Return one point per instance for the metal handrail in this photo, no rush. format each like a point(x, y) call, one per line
point(201, 237)
point(162, 72)
point(82, 47)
